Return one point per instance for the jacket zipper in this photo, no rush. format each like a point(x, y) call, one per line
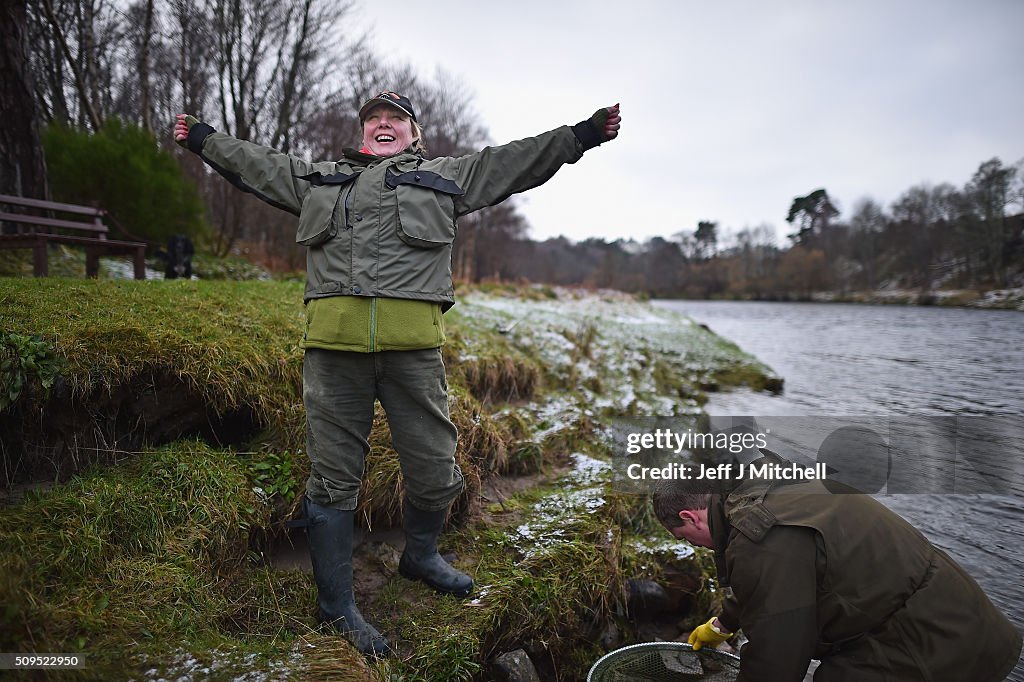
point(351, 235)
point(373, 324)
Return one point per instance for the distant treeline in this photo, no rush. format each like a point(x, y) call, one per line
point(931, 237)
point(97, 83)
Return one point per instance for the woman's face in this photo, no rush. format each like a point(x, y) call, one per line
point(387, 131)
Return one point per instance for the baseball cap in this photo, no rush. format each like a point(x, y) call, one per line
point(387, 97)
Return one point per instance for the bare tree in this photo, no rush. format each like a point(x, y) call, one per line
point(79, 60)
point(22, 168)
point(922, 229)
point(306, 66)
point(802, 271)
point(445, 106)
point(271, 64)
point(192, 61)
point(145, 43)
point(271, 59)
point(752, 261)
point(62, 31)
point(867, 223)
point(334, 124)
point(277, 72)
point(990, 193)
point(245, 31)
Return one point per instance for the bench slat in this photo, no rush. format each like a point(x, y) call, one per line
point(94, 240)
point(25, 241)
point(54, 222)
point(51, 205)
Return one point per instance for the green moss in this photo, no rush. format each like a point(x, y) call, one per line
point(236, 343)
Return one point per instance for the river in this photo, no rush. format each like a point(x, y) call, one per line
point(911, 374)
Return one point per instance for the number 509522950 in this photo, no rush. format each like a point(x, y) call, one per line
point(38, 661)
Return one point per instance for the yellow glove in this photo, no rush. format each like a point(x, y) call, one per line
point(707, 635)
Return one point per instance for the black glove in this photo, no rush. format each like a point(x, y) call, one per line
point(590, 132)
point(197, 134)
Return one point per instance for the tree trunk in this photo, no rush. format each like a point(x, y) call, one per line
point(22, 167)
point(144, 84)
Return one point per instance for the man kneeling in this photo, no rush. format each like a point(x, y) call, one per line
point(820, 571)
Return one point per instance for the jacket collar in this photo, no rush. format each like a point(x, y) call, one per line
point(361, 158)
point(356, 157)
point(720, 530)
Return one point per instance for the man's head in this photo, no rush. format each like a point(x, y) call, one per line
point(389, 124)
point(683, 510)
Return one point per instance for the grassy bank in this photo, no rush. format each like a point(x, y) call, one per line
point(167, 418)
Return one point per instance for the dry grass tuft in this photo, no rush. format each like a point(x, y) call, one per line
point(327, 658)
point(501, 379)
point(482, 451)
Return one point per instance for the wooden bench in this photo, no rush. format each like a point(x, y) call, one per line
point(37, 229)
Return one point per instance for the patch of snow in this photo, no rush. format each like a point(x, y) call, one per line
point(676, 548)
point(649, 318)
point(120, 268)
point(588, 470)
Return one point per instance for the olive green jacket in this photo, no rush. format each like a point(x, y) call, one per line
point(384, 226)
point(820, 571)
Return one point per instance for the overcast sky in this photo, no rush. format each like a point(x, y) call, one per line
point(730, 109)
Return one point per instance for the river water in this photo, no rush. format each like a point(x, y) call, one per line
point(921, 378)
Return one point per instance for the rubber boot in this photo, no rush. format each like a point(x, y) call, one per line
point(420, 560)
point(330, 547)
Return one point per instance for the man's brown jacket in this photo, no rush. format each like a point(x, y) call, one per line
point(821, 571)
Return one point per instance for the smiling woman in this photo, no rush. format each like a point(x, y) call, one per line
point(389, 126)
point(379, 225)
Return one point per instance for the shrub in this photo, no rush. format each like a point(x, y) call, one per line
point(122, 169)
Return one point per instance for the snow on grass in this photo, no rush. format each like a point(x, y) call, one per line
point(606, 347)
point(659, 548)
point(553, 518)
point(184, 667)
point(605, 357)
point(588, 470)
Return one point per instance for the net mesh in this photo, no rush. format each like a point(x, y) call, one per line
point(665, 662)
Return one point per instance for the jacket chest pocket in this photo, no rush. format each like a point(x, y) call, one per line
point(317, 221)
point(424, 208)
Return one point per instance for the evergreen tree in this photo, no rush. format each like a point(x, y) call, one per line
point(122, 169)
